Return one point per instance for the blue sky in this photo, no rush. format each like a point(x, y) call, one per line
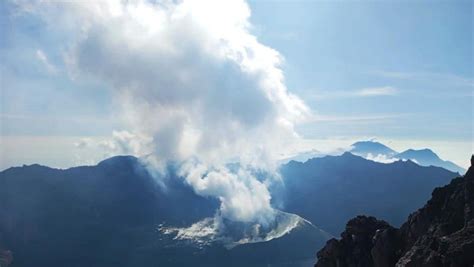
point(423, 50)
point(397, 71)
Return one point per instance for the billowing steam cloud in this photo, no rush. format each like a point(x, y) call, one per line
point(196, 87)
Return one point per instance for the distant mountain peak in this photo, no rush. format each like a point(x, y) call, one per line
point(368, 142)
point(427, 157)
point(364, 148)
point(425, 152)
point(122, 159)
point(379, 152)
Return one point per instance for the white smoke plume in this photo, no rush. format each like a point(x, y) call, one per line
point(196, 87)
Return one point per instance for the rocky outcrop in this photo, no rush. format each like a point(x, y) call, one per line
point(354, 248)
point(439, 234)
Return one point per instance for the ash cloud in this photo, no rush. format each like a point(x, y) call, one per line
point(195, 86)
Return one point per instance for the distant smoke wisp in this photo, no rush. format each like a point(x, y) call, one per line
point(195, 87)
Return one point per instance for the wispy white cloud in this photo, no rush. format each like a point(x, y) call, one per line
point(377, 91)
point(355, 118)
point(43, 58)
point(83, 143)
point(363, 92)
point(432, 77)
point(394, 74)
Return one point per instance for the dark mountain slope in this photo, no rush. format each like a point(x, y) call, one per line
point(111, 214)
point(439, 234)
point(329, 191)
point(87, 215)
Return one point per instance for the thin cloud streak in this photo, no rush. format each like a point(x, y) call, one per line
point(378, 91)
point(326, 118)
point(445, 78)
point(364, 92)
point(43, 58)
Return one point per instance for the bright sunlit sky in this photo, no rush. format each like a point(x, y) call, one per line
point(398, 71)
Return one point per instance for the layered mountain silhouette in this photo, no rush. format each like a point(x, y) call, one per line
point(116, 214)
point(329, 191)
point(441, 233)
point(423, 157)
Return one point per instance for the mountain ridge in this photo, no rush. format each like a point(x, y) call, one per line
point(115, 207)
point(424, 157)
point(89, 214)
point(351, 184)
point(441, 233)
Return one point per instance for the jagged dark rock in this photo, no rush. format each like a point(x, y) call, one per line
point(386, 247)
point(439, 234)
point(354, 247)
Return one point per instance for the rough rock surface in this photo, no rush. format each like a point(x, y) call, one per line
point(439, 234)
